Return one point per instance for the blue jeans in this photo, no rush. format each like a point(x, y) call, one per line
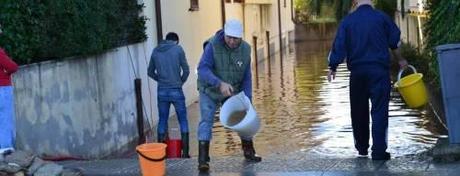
point(7, 119)
point(166, 97)
point(208, 109)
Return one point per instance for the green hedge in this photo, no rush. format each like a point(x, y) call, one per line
point(387, 6)
point(38, 30)
point(442, 27)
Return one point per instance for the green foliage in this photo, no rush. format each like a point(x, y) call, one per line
point(305, 9)
point(420, 60)
point(441, 28)
point(342, 8)
point(38, 30)
point(302, 10)
point(315, 11)
point(387, 6)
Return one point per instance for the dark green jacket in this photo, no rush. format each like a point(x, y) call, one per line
point(224, 64)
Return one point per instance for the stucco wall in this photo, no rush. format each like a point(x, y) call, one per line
point(80, 107)
point(193, 28)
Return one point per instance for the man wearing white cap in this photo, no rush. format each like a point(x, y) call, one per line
point(224, 70)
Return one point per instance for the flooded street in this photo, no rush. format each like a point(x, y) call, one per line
point(301, 111)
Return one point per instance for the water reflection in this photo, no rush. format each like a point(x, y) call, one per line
point(301, 111)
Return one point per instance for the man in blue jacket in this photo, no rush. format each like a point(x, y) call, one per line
point(168, 66)
point(224, 70)
point(363, 39)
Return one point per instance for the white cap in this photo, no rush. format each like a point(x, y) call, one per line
point(233, 28)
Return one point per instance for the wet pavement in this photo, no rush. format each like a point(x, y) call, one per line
point(293, 163)
point(306, 128)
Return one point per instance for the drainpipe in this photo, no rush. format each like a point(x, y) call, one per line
point(279, 27)
point(140, 112)
point(256, 58)
point(292, 11)
point(222, 4)
point(159, 21)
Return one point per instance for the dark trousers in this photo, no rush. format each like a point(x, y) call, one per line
point(373, 84)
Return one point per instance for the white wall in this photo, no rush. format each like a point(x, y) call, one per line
point(193, 28)
point(80, 107)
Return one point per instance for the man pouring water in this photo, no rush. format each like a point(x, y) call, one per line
point(224, 70)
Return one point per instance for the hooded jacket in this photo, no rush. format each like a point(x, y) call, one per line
point(168, 65)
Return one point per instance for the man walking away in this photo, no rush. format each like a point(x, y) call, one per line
point(364, 38)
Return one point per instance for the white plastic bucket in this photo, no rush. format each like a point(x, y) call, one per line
point(231, 115)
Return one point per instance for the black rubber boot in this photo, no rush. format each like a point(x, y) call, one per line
point(381, 156)
point(161, 138)
point(249, 152)
point(185, 146)
point(203, 156)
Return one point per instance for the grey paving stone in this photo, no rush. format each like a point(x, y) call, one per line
point(357, 164)
point(410, 164)
point(455, 166)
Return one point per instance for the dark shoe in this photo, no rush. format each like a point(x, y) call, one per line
point(363, 153)
point(249, 152)
point(161, 138)
point(203, 156)
point(381, 156)
point(185, 146)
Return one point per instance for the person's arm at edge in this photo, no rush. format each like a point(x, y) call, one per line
point(394, 41)
point(338, 52)
point(152, 68)
point(205, 67)
point(184, 65)
point(8, 65)
point(247, 81)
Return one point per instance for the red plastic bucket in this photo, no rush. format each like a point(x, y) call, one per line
point(174, 148)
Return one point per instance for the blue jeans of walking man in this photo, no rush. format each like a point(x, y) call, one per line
point(166, 97)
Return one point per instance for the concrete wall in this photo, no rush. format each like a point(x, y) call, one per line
point(81, 107)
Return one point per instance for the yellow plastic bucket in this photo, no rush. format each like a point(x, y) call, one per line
point(412, 88)
point(152, 159)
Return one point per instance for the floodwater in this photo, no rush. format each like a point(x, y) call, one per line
point(301, 111)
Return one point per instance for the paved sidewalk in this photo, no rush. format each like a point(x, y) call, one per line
point(295, 163)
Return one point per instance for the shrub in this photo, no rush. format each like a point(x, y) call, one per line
point(442, 27)
point(38, 30)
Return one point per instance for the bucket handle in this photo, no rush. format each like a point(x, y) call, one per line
point(402, 70)
point(151, 159)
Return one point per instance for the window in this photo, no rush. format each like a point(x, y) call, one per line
point(234, 1)
point(194, 6)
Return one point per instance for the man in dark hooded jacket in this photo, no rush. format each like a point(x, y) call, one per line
point(168, 66)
